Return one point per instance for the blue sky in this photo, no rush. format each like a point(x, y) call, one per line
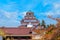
point(12, 11)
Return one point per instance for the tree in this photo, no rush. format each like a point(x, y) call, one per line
point(52, 25)
point(43, 24)
point(48, 26)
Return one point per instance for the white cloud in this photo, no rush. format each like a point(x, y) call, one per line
point(22, 14)
point(49, 13)
point(9, 14)
point(54, 14)
point(56, 5)
point(55, 10)
point(5, 13)
point(11, 18)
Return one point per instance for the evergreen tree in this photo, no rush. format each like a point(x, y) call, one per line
point(52, 25)
point(48, 26)
point(43, 24)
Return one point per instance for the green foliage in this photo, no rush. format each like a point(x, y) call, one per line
point(48, 26)
point(43, 24)
point(52, 25)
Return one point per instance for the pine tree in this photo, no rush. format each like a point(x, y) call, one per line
point(48, 26)
point(43, 24)
point(52, 25)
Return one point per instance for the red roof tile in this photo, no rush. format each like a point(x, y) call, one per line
point(17, 31)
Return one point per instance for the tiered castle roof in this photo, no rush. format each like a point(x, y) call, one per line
point(29, 18)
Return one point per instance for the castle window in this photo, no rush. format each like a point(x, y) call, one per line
point(29, 13)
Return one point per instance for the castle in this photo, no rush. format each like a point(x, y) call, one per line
point(28, 30)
